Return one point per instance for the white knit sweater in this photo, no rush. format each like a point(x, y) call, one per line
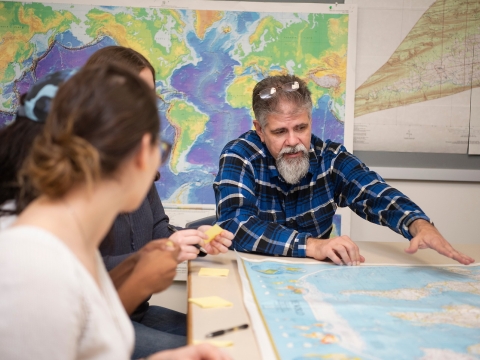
point(51, 307)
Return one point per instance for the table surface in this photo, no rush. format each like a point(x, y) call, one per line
point(203, 321)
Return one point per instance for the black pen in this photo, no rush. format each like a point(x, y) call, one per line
point(221, 332)
point(203, 252)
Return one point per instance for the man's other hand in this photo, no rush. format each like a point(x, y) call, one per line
point(425, 236)
point(341, 250)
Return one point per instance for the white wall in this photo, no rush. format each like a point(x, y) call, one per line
point(452, 206)
point(175, 297)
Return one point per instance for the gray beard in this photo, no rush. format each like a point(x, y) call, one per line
point(293, 170)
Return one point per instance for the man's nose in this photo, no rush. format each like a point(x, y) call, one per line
point(292, 139)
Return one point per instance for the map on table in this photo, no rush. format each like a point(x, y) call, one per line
point(207, 61)
point(324, 311)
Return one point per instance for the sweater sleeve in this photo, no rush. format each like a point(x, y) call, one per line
point(160, 219)
point(370, 197)
point(132, 231)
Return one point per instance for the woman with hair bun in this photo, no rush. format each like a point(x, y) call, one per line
point(96, 158)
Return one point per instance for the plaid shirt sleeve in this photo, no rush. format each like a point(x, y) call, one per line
point(369, 196)
point(237, 212)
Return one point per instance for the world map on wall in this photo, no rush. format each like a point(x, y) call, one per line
point(324, 311)
point(207, 63)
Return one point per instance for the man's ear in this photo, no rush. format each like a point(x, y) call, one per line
point(259, 130)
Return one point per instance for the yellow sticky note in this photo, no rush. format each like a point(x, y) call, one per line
point(213, 272)
point(210, 302)
point(212, 232)
point(217, 343)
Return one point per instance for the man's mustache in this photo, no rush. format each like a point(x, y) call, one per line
point(292, 150)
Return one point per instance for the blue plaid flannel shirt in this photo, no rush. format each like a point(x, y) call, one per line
point(269, 216)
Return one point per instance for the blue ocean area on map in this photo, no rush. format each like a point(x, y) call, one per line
point(215, 71)
point(368, 312)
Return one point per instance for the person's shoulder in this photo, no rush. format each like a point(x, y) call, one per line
point(41, 285)
point(7, 214)
point(31, 254)
point(325, 147)
point(246, 145)
point(152, 198)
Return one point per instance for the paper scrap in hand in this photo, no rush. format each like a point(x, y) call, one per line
point(210, 302)
point(213, 272)
point(217, 343)
point(212, 232)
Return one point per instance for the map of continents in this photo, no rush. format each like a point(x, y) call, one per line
point(206, 62)
point(323, 311)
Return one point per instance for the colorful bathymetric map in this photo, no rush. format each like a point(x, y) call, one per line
point(323, 311)
point(418, 76)
point(207, 62)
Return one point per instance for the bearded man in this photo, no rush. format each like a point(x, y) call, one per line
point(278, 186)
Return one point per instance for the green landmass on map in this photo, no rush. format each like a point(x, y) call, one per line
point(316, 54)
point(24, 21)
point(439, 57)
point(189, 123)
point(157, 36)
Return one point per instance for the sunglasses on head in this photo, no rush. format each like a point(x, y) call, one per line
point(270, 92)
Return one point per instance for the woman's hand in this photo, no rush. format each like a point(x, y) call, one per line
point(220, 243)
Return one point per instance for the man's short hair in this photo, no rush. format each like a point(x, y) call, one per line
point(300, 97)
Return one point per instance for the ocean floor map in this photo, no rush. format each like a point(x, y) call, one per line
point(207, 63)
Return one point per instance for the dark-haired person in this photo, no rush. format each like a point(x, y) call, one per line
point(15, 141)
point(156, 328)
point(95, 158)
point(12, 153)
point(132, 231)
point(279, 185)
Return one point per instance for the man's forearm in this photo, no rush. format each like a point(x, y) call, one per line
point(131, 294)
point(122, 271)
